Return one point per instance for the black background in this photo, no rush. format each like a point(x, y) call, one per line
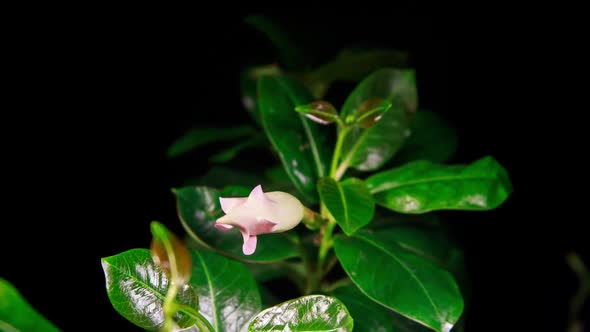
point(94, 99)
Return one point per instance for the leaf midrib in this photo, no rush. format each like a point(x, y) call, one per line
point(310, 138)
point(7, 327)
point(434, 306)
point(347, 159)
point(437, 179)
point(139, 281)
point(210, 284)
point(344, 204)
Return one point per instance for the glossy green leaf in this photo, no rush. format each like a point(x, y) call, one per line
point(368, 315)
point(349, 202)
point(228, 294)
point(301, 144)
point(422, 186)
point(266, 272)
point(277, 174)
point(196, 138)
point(16, 314)
point(428, 240)
point(170, 254)
point(137, 288)
point(199, 208)
point(308, 313)
point(431, 138)
point(404, 282)
point(369, 149)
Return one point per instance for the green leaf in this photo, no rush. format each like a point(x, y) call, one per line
point(368, 315)
point(267, 272)
point(196, 138)
point(308, 313)
point(369, 149)
point(277, 174)
point(431, 138)
point(349, 202)
point(198, 209)
point(248, 82)
point(422, 186)
point(428, 240)
point(170, 254)
point(397, 279)
point(228, 295)
point(16, 314)
point(321, 112)
point(301, 144)
point(137, 288)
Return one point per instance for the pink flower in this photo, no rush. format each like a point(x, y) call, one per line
point(260, 213)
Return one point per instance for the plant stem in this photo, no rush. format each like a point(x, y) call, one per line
point(325, 246)
point(580, 297)
point(331, 263)
point(169, 307)
point(338, 150)
point(328, 228)
point(202, 323)
point(338, 283)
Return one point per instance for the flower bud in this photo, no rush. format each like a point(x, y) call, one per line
point(260, 213)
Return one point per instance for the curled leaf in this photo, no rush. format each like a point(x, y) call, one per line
point(321, 112)
point(370, 112)
point(170, 254)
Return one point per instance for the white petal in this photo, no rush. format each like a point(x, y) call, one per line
point(228, 204)
point(256, 194)
point(289, 213)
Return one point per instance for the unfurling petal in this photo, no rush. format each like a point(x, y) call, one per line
point(228, 204)
point(249, 245)
point(260, 213)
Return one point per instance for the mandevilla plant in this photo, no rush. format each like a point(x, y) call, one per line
point(347, 218)
point(371, 254)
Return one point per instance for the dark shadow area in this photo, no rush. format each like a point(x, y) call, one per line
point(95, 102)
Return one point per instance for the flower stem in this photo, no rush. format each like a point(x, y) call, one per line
point(325, 246)
point(169, 307)
point(202, 323)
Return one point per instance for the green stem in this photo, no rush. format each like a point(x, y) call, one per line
point(338, 283)
point(331, 263)
point(328, 228)
point(338, 150)
point(202, 323)
point(580, 297)
point(169, 306)
point(325, 246)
